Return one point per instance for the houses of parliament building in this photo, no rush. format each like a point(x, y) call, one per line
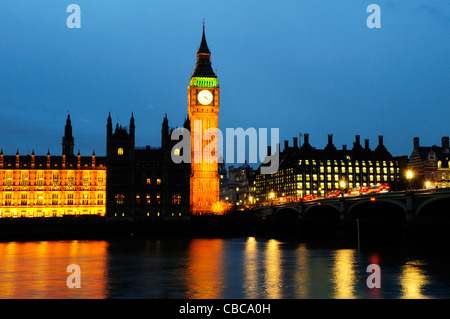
point(129, 181)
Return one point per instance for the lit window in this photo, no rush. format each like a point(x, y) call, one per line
point(120, 151)
point(24, 199)
point(25, 176)
point(71, 178)
point(158, 199)
point(101, 178)
point(40, 178)
point(40, 199)
point(158, 181)
point(9, 178)
point(85, 199)
point(149, 181)
point(138, 199)
point(85, 178)
point(176, 199)
point(70, 199)
point(147, 199)
point(55, 199)
point(55, 178)
point(120, 199)
point(176, 152)
point(8, 199)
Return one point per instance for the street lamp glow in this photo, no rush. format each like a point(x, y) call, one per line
point(409, 175)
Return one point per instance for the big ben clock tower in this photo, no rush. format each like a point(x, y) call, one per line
point(203, 108)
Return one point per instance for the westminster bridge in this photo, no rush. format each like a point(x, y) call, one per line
point(386, 212)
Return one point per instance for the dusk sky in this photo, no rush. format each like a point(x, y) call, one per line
point(305, 66)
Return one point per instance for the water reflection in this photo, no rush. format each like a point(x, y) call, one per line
point(251, 268)
point(38, 269)
point(301, 275)
point(344, 274)
point(273, 284)
point(210, 268)
point(413, 279)
point(205, 270)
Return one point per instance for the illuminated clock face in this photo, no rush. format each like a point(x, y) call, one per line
point(205, 97)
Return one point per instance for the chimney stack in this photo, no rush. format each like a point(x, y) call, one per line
point(366, 144)
point(357, 140)
point(286, 144)
point(416, 143)
point(445, 142)
point(295, 142)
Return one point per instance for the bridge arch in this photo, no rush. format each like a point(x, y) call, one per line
point(437, 207)
point(379, 205)
point(376, 220)
point(286, 213)
point(324, 212)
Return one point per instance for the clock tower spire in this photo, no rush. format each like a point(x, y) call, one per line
point(203, 108)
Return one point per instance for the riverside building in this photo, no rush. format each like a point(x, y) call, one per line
point(306, 171)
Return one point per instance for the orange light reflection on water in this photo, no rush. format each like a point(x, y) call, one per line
point(39, 269)
point(205, 269)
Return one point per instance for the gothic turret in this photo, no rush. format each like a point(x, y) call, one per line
point(68, 141)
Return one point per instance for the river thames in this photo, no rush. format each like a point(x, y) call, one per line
point(217, 268)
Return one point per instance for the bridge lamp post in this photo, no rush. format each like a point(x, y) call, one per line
point(409, 177)
point(271, 196)
point(343, 184)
